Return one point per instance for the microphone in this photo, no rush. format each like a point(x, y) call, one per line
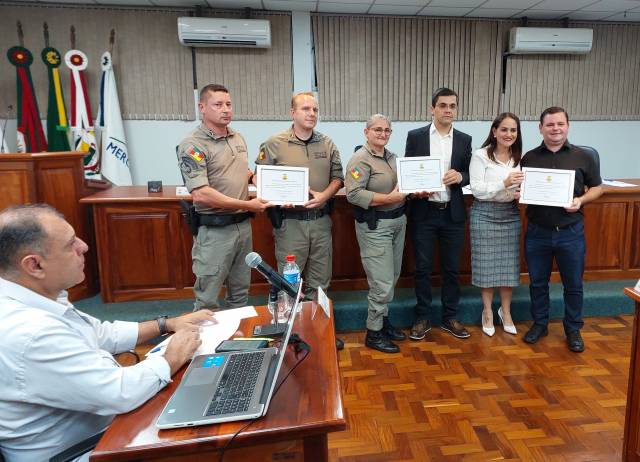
point(254, 260)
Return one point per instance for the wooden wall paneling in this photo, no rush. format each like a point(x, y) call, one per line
point(605, 248)
point(16, 184)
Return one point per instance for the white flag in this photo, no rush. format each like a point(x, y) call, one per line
point(115, 155)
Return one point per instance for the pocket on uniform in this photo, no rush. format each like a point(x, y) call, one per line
point(372, 252)
point(202, 268)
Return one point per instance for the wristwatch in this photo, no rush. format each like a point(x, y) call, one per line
point(162, 324)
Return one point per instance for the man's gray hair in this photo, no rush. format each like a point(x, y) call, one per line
point(371, 120)
point(21, 233)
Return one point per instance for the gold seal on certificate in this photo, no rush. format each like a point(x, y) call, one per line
point(417, 174)
point(547, 186)
point(283, 185)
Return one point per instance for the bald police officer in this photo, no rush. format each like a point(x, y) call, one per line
point(379, 211)
point(213, 161)
point(306, 231)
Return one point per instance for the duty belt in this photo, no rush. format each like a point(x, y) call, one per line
point(305, 215)
point(390, 214)
point(209, 219)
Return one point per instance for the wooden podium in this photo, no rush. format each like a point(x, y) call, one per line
point(56, 178)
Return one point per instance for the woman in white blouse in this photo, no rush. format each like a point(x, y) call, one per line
point(495, 219)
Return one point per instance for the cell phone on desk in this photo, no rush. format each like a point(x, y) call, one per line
point(241, 345)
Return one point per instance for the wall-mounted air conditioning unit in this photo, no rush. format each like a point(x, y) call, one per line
point(544, 40)
point(220, 32)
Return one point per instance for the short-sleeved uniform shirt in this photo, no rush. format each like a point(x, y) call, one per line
point(369, 173)
point(219, 162)
point(319, 154)
point(569, 157)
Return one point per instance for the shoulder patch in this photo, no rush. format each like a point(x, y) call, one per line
point(195, 153)
point(261, 155)
point(355, 173)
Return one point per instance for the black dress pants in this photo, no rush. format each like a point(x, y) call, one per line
point(431, 225)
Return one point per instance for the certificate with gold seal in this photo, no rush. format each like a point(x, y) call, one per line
point(547, 186)
point(417, 174)
point(282, 185)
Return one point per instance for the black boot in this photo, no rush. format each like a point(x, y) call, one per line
point(378, 341)
point(392, 332)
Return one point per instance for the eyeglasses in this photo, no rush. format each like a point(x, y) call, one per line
point(380, 131)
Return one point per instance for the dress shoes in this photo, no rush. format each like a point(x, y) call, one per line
point(535, 333)
point(455, 328)
point(378, 341)
point(575, 342)
point(508, 328)
point(393, 333)
point(487, 327)
point(419, 329)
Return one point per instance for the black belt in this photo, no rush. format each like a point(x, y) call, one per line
point(438, 205)
point(210, 219)
point(390, 214)
point(304, 215)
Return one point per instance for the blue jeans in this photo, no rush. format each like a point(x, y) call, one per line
point(567, 246)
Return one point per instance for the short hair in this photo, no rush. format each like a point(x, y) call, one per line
point(21, 232)
point(491, 143)
point(553, 110)
point(295, 97)
point(371, 120)
point(444, 91)
point(211, 88)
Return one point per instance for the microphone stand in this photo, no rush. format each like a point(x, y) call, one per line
point(273, 329)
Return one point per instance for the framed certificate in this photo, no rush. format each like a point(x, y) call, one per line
point(416, 174)
point(546, 186)
point(283, 185)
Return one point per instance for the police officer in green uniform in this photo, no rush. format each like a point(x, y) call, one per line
point(214, 165)
point(306, 231)
point(379, 211)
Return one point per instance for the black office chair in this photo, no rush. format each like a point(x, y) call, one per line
point(357, 147)
point(591, 152)
point(77, 449)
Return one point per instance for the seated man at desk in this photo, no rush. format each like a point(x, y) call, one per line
point(60, 383)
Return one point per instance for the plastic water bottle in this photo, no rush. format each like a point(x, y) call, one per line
point(291, 273)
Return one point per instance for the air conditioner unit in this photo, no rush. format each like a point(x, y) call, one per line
point(529, 40)
point(221, 32)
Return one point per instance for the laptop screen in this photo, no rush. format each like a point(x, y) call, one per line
point(283, 346)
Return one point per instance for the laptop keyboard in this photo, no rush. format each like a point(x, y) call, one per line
point(237, 384)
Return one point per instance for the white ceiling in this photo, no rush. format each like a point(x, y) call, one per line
point(587, 10)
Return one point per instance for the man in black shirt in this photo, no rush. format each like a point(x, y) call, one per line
point(555, 232)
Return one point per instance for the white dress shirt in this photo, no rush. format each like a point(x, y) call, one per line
point(59, 382)
point(486, 177)
point(441, 146)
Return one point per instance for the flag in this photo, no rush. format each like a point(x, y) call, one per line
point(57, 127)
point(30, 133)
point(113, 152)
point(84, 138)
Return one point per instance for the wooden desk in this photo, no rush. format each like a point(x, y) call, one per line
point(631, 445)
point(144, 246)
point(303, 411)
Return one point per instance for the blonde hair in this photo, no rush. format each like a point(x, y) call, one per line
point(300, 94)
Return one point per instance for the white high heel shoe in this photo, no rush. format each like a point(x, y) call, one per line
point(488, 330)
point(510, 328)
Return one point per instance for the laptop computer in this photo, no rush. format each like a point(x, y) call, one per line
point(224, 387)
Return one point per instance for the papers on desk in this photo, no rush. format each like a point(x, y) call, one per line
point(618, 184)
point(226, 324)
point(181, 191)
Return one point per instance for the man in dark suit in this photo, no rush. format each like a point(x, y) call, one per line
point(440, 215)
